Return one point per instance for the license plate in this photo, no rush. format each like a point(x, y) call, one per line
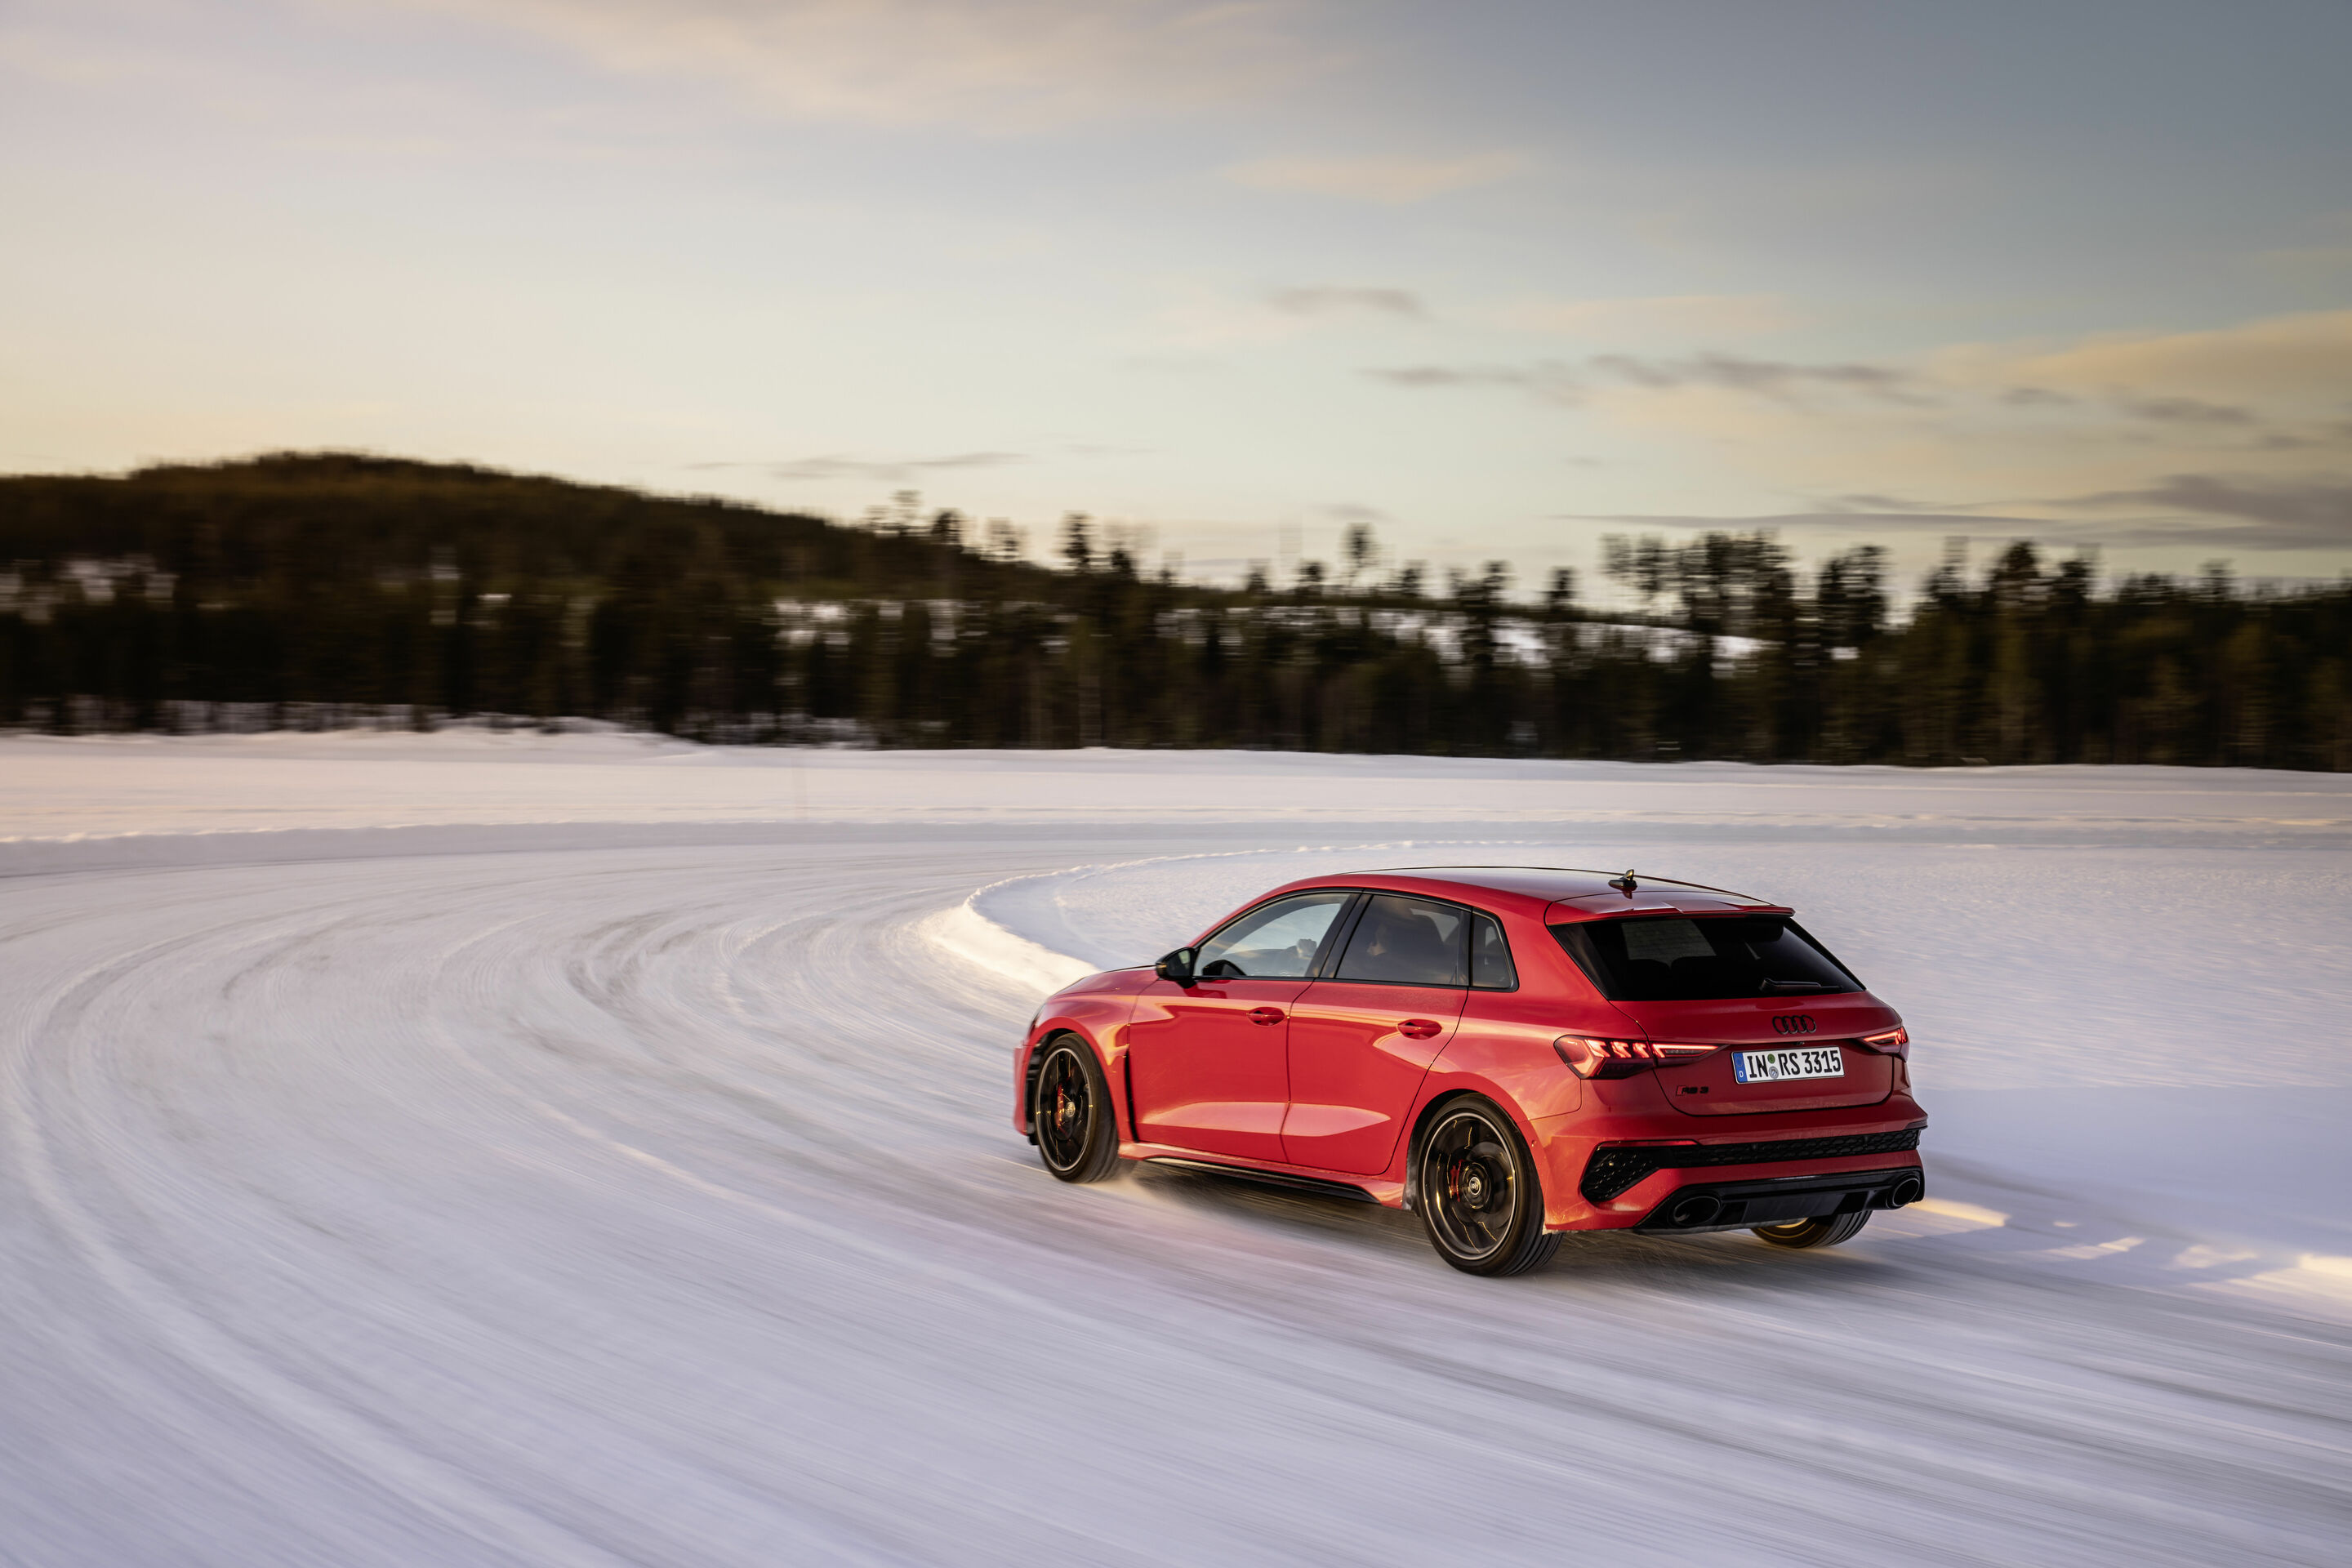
point(1773, 1066)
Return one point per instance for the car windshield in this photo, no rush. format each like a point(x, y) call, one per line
point(1674, 959)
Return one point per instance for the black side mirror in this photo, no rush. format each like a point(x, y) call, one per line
point(1177, 966)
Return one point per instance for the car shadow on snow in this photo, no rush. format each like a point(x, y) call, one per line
point(1734, 1257)
point(2031, 1246)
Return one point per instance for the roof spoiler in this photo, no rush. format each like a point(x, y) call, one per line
point(1650, 902)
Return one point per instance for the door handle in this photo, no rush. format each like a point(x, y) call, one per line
point(1419, 1028)
point(1265, 1014)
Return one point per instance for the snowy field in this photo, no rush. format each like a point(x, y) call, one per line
point(487, 1149)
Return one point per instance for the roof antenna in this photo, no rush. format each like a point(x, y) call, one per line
point(1625, 884)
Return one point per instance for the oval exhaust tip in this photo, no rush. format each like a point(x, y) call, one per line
point(1697, 1209)
point(1910, 1190)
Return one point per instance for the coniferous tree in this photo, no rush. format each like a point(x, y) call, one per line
point(334, 589)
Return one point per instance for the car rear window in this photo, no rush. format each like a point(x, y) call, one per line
point(1407, 942)
point(1419, 942)
point(1673, 958)
point(1490, 956)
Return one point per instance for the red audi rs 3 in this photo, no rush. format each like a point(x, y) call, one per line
point(1511, 1052)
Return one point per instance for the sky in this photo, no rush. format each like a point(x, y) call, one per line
point(1495, 278)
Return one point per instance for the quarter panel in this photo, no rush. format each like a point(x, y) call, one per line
point(1506, 1037)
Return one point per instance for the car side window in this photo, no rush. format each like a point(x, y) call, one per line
point(1408, 941)
point(1280, 941)
point(1490, 956)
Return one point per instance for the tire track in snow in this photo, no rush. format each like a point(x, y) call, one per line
point(659, 1205)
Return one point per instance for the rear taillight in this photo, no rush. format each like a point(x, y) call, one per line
point(1595, 1057)
point(1893, 1042)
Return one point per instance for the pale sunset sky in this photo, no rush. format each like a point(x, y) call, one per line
point(1499, 277)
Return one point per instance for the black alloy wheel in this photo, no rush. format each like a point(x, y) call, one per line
point(1071, 1114)
point(1477, 1193)
point(1824, 1230)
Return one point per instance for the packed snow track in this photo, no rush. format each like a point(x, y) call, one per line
point(652, 1200)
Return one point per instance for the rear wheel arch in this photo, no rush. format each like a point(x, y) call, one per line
point(1435, 1107)
point(1486, 1214)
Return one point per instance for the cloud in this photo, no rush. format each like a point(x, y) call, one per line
point(1200, 316)
point(1549, 379)
point(2270, 514)
point(2285, 371)
point(1839, 522)
point(1779, 380)
point(1324, 301)
point(990, 65)
point(1397, 181)
point(2184, 411)
point(2323, 267)
point(2300, 360)
point(1866, 502)
point(888, 470)
point(1661, 315)
point(2261, 515)
point(2330, 435)
point(63, 60)
point(1766, 378)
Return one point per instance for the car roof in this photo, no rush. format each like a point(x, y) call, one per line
point(1585, 894)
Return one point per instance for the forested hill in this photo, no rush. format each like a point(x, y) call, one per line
point(329, 589)
point(302, 522)
point(322, 586)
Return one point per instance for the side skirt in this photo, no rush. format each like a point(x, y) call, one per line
point(1315, 1184)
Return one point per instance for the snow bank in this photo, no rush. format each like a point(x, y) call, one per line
point(1024, 966)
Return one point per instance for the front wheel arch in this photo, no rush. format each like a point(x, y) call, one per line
point(1113, 1068)
point(1086, 1150)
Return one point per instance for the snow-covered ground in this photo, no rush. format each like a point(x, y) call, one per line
point(499, 1148)
point(111, 786)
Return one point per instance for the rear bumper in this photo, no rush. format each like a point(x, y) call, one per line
point(1739, 1205)
point(1609, 1166)
point(1616, 1169)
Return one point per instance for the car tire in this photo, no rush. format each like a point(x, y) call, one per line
point(1826, 1230)
point(1476, 1188)
point(1070, 1112)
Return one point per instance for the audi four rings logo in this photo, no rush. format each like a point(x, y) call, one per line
point(1792, 1024)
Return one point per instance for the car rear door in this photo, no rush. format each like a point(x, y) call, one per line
point(1363, 1038)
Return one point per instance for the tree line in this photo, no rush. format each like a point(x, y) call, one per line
point(332, 589)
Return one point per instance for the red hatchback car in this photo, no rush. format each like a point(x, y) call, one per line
point(1511, 1052)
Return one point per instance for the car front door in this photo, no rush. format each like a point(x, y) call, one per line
point(1207, 1064)
point(1363, 1038)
